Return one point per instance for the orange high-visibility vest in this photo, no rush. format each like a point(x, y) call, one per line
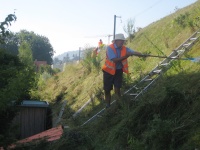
point(110, 66)
point(100, 43)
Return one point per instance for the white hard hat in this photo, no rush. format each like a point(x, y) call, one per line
point(119, 36)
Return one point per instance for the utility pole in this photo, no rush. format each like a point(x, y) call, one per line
point(109, 38)
point(115, 25)
point(79, 56)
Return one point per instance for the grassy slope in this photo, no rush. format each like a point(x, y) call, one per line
point(167, 117)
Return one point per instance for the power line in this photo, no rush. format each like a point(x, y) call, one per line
point(148, 8)
point(119, 24)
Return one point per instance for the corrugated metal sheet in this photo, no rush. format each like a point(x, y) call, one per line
point(49, 135)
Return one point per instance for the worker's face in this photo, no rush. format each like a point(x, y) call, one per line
point(119, 43)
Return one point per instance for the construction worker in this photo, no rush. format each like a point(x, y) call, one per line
point(115, 64)
point(100, 43)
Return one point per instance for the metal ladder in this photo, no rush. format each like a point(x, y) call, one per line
point(143, 85)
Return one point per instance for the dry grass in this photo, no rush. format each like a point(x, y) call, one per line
point(161, 119)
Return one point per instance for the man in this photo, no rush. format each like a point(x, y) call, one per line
point(115, 64)
point(100, 43)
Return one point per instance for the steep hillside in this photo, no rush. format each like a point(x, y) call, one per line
point(166, 117)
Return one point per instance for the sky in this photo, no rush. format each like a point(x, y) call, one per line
point(76, 24)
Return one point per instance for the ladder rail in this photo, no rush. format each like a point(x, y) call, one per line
point(178, 52)
point(166, 60)
point(146, 87)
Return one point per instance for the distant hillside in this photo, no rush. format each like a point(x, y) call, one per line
point(70, 53)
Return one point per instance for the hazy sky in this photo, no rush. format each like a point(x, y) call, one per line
point(70, 24)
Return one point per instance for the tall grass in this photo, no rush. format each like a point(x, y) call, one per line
point(165, 117)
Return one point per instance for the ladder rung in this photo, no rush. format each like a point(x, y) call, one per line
point(164, 64)
point(180, 50)
point(193, 39)
point(174, 57)
point(157, 71)
point(148, 79)
point(134, 94)
point(186, 44)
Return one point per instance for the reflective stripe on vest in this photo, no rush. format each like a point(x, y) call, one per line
point(110, 66)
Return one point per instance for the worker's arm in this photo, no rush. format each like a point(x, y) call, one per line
point(115, 60)
point(134, 53)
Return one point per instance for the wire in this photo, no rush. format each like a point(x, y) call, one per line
point(153, 44)
point(147, 8)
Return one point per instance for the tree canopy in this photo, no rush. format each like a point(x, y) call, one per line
point(40, 46)
point(17, 77)
point(4, 31)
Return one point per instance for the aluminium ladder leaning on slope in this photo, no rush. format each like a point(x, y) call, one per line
point(153, 75)
point(148, 80)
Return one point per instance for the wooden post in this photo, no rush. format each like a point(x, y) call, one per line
point(61, 113)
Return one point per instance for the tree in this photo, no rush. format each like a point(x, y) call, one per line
point(129, 29)
point(10, 44)
point(4, 31)
point(16, 80)
point(25, 54)
point(40, 45)
point(41, 48)
point(66, 58)
point(75, 57)
point(56, 61)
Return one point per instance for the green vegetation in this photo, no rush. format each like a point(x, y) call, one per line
point(40, 46)
point(165, 117)
point(4, 31)
point(17, 78)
